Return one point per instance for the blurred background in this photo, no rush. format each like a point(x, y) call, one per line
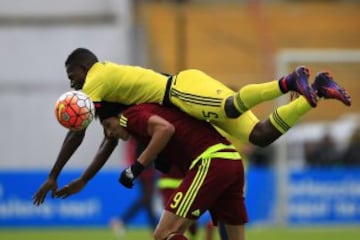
point(309, 177)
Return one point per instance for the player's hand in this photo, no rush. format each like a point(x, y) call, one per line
point(129, 174)
point(49, 185)
point(127, 178)
point(70, 189)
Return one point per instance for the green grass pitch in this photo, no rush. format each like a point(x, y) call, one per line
point(252, 233)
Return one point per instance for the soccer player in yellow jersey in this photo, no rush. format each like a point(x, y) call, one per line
point(198, 94)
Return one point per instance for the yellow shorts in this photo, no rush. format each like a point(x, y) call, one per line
point(203, 97)
point(199, 95)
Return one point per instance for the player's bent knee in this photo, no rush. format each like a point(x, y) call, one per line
point(170, 236)
point(176, 236)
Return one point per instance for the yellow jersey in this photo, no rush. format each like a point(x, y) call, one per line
point(111, 82)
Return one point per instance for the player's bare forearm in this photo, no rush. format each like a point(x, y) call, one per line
point(72, 188)
point(71, 142)
point(161, 132)
point(106, 148)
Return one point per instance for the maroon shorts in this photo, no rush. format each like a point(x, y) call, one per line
point(166, 193)
point(216, 185)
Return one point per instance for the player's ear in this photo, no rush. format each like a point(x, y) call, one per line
point(105, 123)
point(107, 131)
point(124, 134)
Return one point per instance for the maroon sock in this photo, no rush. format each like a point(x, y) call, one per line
point(176, 236)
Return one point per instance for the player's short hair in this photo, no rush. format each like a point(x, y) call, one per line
point(81, 56)
point(105, 109)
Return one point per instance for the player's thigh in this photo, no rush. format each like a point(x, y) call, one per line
point(239, 128)
point(230, 207)
point(170, 223)
point(235, 232)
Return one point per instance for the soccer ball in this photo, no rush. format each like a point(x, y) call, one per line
point(74, 110)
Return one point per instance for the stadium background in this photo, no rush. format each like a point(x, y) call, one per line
point(235, 41)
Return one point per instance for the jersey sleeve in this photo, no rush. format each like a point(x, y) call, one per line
point(95, 83)
point(94, 91)
point(135, 120)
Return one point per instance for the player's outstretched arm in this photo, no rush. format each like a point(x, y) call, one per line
point(106, 148)
point(71, 142)
point(73, 187)
point(49, 185)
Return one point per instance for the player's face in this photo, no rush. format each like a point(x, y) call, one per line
point(76, 75)
point(113, 129)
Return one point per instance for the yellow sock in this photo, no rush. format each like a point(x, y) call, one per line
point(287, 115)
point(253, 94)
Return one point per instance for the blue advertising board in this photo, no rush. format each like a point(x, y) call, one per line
point(324, 196)
point(102, 199)
point(260, 194)
point(320, 196)
point(314, 196)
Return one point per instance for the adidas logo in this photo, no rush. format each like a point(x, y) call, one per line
point(196, 213)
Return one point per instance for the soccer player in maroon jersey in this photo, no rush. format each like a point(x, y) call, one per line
point(213, 170)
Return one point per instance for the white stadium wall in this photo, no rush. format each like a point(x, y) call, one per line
point(35, 41)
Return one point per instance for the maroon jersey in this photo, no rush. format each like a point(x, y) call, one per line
point(191, 138)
